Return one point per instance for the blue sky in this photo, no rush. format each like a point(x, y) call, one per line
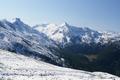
point(97, 14)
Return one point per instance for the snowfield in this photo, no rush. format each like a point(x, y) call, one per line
point(18, 67)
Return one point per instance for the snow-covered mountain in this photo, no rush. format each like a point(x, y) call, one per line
point(20, 38)
point(63, 45)
point(85, 48)
point(18, 67)
point(65, 34)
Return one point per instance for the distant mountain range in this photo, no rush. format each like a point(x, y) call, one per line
point(63, 45)
point(66, 34)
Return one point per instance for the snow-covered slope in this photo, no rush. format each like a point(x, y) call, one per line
point(21, 38)
point(66, 33)
point(18, 67)
point(21, 29)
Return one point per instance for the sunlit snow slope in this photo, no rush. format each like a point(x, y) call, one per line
point(18, 67)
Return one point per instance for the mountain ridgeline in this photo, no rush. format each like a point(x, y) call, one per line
point(63, 45)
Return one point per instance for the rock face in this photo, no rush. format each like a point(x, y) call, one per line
point(18, 67)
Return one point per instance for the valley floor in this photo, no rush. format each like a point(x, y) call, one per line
point(18, 67)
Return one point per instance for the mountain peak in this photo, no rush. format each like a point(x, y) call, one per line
point(64, 24)
point(17, 20)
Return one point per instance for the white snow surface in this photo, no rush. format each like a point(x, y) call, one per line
point(18, 67)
